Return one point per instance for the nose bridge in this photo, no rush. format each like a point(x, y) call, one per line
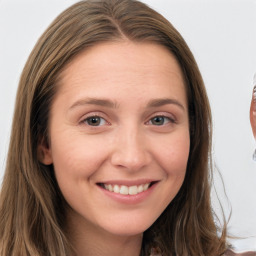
point(130, 149)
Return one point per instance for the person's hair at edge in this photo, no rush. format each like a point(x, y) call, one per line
point(32, 209)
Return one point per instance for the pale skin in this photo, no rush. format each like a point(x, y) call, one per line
point(119, 118)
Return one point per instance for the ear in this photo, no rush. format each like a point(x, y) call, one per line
point(44, 153)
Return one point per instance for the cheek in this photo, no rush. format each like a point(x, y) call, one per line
point(76, 156)
point(173, 155)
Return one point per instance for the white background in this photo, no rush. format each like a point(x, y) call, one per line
point(222, 36)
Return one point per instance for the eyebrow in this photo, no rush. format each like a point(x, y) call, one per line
point(111, 104)
point(165, 101)
point(94, 101)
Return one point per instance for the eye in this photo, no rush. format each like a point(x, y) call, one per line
point(95, 121)
point(160, 120)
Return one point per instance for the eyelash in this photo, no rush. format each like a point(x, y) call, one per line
point(166, 120)
point(86, 120)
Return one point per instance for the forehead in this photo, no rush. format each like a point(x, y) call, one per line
point(141, 69)
point(123, 55)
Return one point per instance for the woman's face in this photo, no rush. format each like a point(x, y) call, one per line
point(119, 136)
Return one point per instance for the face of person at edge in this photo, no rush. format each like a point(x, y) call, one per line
point(119, 119)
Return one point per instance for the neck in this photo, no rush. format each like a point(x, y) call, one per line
point(86, 239)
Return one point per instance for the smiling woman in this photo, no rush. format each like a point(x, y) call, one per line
point(118, 142)
point(110, 147)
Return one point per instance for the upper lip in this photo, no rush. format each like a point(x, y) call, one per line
point(128, 182)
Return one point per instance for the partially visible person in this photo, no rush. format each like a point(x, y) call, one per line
point(253, 113)
point(253, 108)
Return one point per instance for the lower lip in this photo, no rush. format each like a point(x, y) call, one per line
point(129, 199)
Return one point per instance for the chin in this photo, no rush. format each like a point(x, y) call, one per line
point(128, 228)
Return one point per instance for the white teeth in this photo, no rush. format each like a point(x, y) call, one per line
point(110, 188)
point(145, 186)
point(125, 190)
point(140, 188)
point(116, 189)
point(133, 190)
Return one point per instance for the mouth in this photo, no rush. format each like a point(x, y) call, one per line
point(127, 190)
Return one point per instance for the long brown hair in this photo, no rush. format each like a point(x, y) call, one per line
point(32, 209)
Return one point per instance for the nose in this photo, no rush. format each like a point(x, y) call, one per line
point(130, 150)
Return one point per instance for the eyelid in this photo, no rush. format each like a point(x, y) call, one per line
point(166, 121)
point(93, 114)
point(171, 117)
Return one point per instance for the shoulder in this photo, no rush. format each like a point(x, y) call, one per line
point(233, 253)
